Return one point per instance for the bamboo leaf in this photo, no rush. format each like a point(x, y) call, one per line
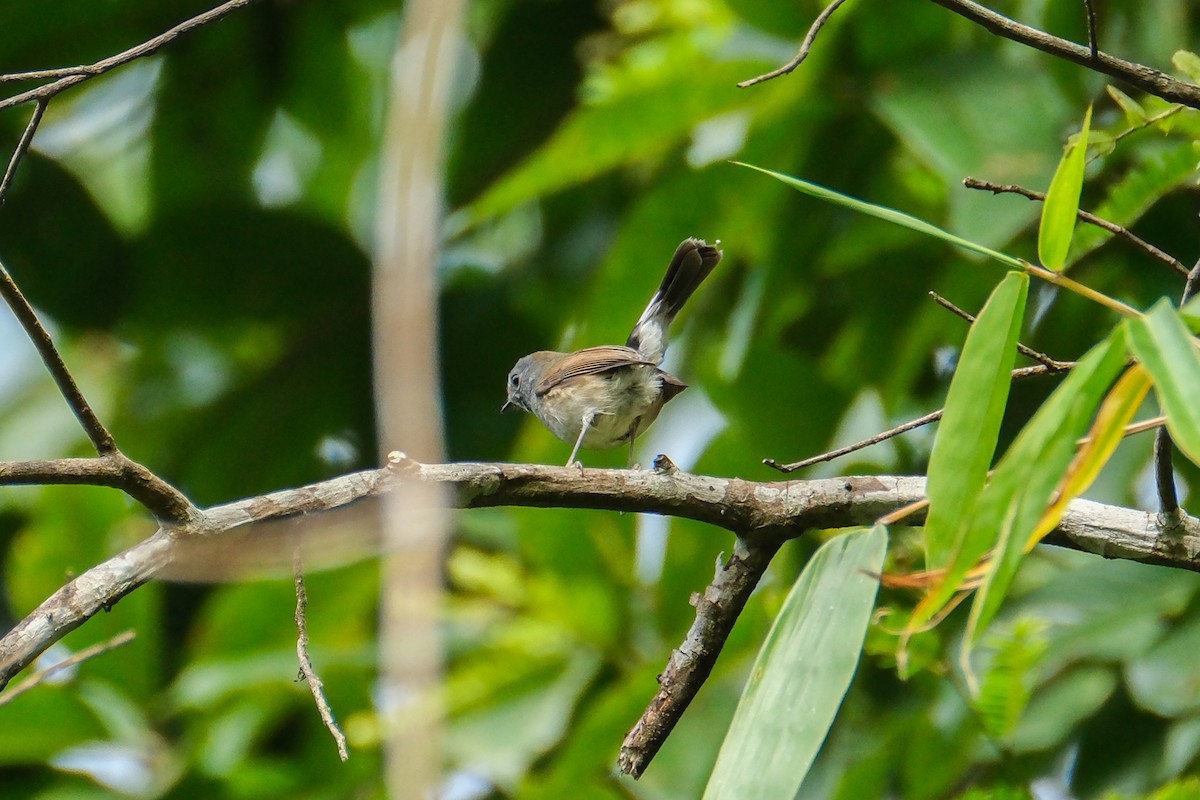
point(1106, 433)
point(1165, 346)
point(970, 424)
point(1061, 208)
point(1134, 113)
point(886, 214)
point(1024, 483)
point(802, 672)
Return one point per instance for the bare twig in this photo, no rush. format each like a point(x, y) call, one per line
point(691, 663)
point(307, 672)
point(22, 147)
point(1093, 46)
point(1091, 219)
point(65, 78)
point(101, 439)
point(1147, 79)
point(883, 436)
point(1029, 352)
point(805, 46)
point(41, 676)
point(933, 416)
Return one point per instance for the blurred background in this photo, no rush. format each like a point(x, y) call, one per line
point(196, 228)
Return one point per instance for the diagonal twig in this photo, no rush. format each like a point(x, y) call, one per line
point(1043, 359)
point(83, 655)
point(101, 439)
point(65, 78)
point(22, 147)
point(1091, 219)
point(802, 53)
point(307, 672)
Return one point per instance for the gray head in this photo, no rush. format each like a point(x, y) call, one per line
point(523, 377)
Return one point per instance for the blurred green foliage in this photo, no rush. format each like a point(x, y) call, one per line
point(195, 229)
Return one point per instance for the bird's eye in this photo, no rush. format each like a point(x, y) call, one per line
point(514, 380)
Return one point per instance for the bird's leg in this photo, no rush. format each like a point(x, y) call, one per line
point(585, 423)
point(633, 432)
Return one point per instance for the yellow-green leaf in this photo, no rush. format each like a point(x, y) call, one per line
point(1061, 208)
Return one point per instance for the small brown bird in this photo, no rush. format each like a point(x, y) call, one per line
point(602, 397)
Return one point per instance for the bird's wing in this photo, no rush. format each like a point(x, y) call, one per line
point(591, 361)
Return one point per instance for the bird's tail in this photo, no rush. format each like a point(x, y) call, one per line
point(693, 260)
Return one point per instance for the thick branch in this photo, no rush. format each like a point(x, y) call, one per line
point(760, 512)
point(1145, 78)
point(115, 471)
point(691, 663)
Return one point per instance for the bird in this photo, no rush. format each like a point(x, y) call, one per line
point(606, 396)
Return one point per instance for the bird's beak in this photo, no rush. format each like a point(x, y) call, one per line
point(507, 405)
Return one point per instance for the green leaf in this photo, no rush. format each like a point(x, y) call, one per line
point(1134, 113)
point(636, 124)
point(887, 214)
point(1188, 63)
point(1165, 346)
point(1008, 683)
point(1025, 480)
point(970, 425)
point(1061, 207)
point(802, 672)
point(1153, 174)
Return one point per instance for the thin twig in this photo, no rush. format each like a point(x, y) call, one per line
point(1029, 352)
point(1170, 111)
point(1164, 470)
point(805, 46)
point(1093, 47)
point(933, 416)
point(307, 671)
point(101, 439)
point(40, 676)
point(65, 78)
point(691, 663)
point(22, 147)
point(1091, 219)
point(1149, 80)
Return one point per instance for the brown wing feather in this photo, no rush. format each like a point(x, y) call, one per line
point(590, 361)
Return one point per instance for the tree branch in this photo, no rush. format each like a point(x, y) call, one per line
point(761, 513)
point(692, 662)
point(1147, 79)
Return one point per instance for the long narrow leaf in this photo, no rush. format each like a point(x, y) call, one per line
point(802, 672)
point(1024, 483)
point(1061, 208)
point(970, 424)
point(887, 214)
point(1106, 433)
point(1163, 343)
